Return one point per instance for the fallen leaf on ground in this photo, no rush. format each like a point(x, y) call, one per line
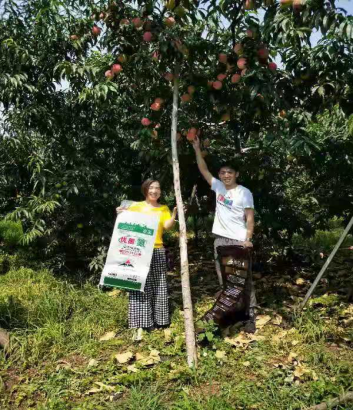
point(92, 362)
point(277, 338)
point(114, 293)
point(262, 320)
point(277, 320)
point(243, 339)
point(108, 336)
point(168, 335)
point(139, 356)
point(300, 281)
point(102, 387)
point(132, 368)
point(124, 357)
point(105, 387)
point(153, 358)
point(292, 356)
point(220, 354)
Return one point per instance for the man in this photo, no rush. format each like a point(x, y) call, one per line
point(234, 217)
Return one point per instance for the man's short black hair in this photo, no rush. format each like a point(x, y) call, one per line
point(228, 165)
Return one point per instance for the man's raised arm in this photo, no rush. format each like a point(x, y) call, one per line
point(201, 162)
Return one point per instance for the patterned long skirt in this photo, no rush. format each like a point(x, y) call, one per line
point(151, 308)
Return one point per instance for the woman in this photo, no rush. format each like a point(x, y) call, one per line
point(150, 309)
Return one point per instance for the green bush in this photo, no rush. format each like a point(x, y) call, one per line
point(11, 232)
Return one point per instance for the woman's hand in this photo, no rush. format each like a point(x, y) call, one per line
point(120, 209)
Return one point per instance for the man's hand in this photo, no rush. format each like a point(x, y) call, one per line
point(196, 143)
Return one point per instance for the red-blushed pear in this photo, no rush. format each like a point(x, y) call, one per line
point(137, 22)
point(147, 36)
point(235, 78)
point(169, 21)
point(221, 76)
point(225, 117)
point(217, 85)
point(185, 98)
point(191, 89)
point(148, 25)
point(191, 134)
point(96, 31)
point(223, 58)
point(297, 5)
point(122, 58)
point(206, 142)
point(286, 3)
point(249, 33)
point(145, 122)
point(180, 11)
point(155, 56)
point(238, 49)
point(159, 100)
point(155, 106)
point(169, 76)
point(263, 53)
point(124, 22)
point(74, 37)
point(242, 63)
point(116, 69)
point(249, 5)
point(109, 75)
point(272, 66)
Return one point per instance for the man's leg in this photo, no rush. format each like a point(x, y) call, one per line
point(218, 265)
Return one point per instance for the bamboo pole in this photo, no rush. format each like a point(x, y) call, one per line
point(184, 264)
point(327, 263)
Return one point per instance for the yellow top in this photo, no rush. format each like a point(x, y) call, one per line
point(164, 215)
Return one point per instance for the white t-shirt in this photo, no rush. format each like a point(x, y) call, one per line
point(229, 219)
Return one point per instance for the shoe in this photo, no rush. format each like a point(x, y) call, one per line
point(250, 327)
point(137, 334)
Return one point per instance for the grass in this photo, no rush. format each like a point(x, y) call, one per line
point(55, 329)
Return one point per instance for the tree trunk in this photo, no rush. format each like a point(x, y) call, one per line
point(184, 264)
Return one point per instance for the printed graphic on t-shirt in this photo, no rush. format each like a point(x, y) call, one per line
point(224, 201)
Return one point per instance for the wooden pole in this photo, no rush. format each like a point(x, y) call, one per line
point(327, 263)
point(184, 264)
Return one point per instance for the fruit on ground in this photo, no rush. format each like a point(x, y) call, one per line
point(116, 69)
point(235, 78)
